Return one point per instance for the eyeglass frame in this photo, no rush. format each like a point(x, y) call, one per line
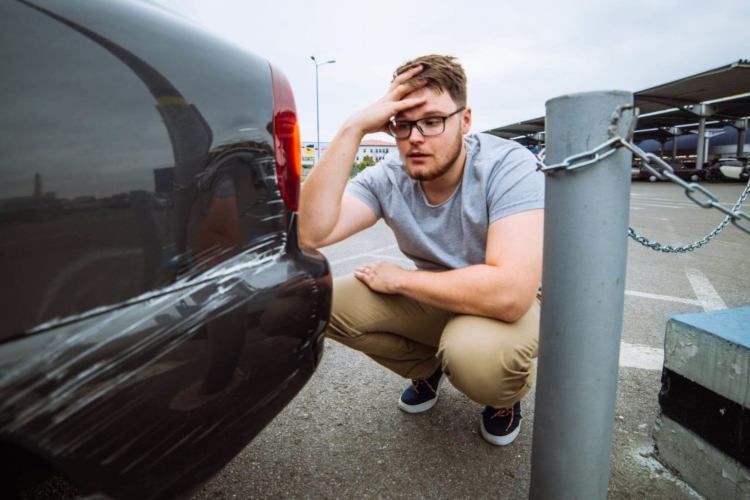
point(415, 123)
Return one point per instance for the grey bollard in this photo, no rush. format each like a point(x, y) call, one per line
point(585, 254)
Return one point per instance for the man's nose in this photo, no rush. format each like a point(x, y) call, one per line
point(415, 135)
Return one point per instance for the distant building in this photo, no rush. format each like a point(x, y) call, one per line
point(377, 150)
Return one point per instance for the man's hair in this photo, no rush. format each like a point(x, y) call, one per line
point(442, 73)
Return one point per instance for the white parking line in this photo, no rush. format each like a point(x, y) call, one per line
point(659, 205)
point(361, 255)
point(375, 256)
point(641, 356)
point(673, 203)
point(667, 298)
point(707, 295)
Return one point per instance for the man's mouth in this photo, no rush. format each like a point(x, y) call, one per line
point(418, 155)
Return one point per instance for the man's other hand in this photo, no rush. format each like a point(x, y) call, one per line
point(382, 277)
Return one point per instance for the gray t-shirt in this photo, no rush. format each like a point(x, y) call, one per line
point(499, 179)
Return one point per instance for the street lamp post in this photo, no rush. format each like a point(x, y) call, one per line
point(317, 103)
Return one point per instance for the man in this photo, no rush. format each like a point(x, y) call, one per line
point(467, 209)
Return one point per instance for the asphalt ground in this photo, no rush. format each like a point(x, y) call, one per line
point(344, 437)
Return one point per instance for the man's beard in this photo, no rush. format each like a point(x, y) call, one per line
point(443, 168)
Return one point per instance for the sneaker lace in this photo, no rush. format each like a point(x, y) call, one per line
point(420, 381)
point(505, 412)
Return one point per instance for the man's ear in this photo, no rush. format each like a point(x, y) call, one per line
point(466, 121)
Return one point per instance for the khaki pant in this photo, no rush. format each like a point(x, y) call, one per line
point(488, 360)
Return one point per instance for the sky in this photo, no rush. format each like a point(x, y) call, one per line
point(516, 55)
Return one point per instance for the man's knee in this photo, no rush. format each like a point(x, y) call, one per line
point(493, 368)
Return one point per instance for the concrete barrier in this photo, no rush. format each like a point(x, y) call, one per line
point(703, 430)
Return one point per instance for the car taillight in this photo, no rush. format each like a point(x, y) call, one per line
point(286, 139)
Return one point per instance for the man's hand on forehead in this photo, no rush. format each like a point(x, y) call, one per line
point(409, 81)
point(375, 117)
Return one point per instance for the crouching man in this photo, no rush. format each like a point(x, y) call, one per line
point(467, 209)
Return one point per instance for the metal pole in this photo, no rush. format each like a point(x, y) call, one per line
point(700, 152)
point(317, 112)
point(585, 242)
point(741, 131)
point(675, 134)
point(317, 103)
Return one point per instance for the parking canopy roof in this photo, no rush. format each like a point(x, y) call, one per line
point(660, 125)
point(528, 127)
point(725, 81)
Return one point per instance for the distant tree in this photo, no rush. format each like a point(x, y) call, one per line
point(367, 161)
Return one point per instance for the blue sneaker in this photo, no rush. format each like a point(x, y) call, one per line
point(422, 394)
point(500, 426)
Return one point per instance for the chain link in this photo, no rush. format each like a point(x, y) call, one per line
point(663, 171)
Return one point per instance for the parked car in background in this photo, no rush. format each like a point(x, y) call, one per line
point(638, 173)
point(729, 170)
point(686, 172)
point(157, 311)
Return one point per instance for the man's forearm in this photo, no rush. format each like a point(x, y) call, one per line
point(482, 290)
point(320, 199)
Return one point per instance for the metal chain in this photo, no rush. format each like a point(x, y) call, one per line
point(659, 247)
point(663, 171)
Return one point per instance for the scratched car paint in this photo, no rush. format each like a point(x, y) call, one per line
point(160, 311)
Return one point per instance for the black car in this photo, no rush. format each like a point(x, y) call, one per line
point(156, 309)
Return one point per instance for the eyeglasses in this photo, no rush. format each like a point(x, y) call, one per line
point(428, 127)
